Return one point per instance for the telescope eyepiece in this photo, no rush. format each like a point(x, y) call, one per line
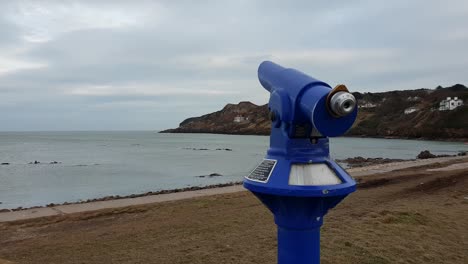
point(342, 103)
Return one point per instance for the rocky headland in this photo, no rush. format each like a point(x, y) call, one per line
point(412, 114)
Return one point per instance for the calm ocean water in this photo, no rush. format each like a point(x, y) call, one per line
point(97, 164)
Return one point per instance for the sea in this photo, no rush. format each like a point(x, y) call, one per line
point(57, 167)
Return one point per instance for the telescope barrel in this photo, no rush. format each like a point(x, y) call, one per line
point(331, 112)
point(273, 76)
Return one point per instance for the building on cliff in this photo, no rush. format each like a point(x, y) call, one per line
point(367, 105)
point(450, 104)
point(239, 119)
point(410, 110)
point(413, 99)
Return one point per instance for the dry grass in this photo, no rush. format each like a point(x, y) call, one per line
point(409, 216)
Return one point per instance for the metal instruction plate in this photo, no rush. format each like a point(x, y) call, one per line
point(263, 171)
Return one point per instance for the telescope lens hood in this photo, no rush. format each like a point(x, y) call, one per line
point(342, 104)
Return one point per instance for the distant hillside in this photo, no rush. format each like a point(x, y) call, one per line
point(222, 122)
point(380, 115)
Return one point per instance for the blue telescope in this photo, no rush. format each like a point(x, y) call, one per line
point(297, 180)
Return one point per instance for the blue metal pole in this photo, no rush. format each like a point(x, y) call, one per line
point(298, 246)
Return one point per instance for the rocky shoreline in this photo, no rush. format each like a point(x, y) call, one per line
point(267, 133)
point(411, 138)
point(117, 197)
point(359, 161)
point(356, 162)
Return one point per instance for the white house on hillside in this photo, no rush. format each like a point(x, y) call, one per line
point(450, 104)
point(413, 99)
point(367, 105)
point(410, 110)
point(239, 119)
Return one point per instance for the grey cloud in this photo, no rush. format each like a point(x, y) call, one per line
point(217, 45)
point(8, 34)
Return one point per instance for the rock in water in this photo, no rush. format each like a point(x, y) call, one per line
point(209, 175)
point(425, 154)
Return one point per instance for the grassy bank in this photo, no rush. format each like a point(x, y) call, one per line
point(406, 216)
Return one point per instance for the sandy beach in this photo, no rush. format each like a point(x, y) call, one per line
point(400, 214)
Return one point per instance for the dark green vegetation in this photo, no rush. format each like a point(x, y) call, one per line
point(386, 119)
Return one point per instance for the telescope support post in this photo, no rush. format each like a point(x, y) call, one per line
point(297, 180)
point(298, 246)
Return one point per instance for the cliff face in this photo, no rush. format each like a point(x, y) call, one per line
point(380, 115)
point(251, 120)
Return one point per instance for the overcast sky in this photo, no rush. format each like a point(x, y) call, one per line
point(147, 65)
